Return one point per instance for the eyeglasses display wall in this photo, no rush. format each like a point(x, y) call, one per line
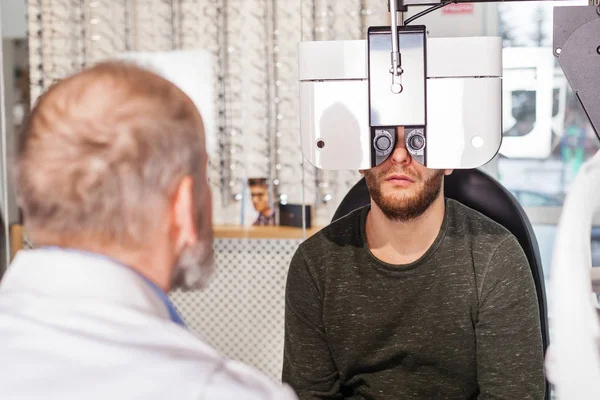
point(241, 55)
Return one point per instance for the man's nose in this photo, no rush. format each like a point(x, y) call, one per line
point(400, 155)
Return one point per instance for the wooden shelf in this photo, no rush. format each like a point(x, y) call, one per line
point(261, 232)
point(16, 239)
point(220, 232)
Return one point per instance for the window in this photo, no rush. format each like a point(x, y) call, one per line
point(547, 136)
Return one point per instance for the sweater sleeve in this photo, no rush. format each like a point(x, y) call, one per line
point(509, 343)
point(308, 366)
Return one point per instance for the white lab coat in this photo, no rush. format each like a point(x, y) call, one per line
point(573, 359)
point(74, 326)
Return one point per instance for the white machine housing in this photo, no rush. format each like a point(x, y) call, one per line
point(464, 103)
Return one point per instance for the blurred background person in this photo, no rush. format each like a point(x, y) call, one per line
point(259, 191)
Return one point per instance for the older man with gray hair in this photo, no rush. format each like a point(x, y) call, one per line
point(111, 179)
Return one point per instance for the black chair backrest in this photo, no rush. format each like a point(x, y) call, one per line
point(479, 191)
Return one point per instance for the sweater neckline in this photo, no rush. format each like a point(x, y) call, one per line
point(396, 268)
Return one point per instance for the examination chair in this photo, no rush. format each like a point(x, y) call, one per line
point(479, 191)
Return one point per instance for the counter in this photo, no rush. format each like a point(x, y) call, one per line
point(261, 232)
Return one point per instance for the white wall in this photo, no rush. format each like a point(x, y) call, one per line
point(14, 22)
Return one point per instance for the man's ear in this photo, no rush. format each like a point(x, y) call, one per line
point(182, 208)
point(448, 171)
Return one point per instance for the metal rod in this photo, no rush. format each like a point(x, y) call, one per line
point(363, 18)
point(396, 69)
point(394, 26)
point(314, 37)
point(224, 127)
point(272, 93)
point(174, 14)
point(6, 213)
point(127, 24)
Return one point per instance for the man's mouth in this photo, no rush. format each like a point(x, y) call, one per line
point(399, 178)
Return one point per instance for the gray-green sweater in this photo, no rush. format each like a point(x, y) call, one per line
point(462, 322)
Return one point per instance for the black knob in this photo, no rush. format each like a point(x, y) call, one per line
point(383, 143)
point(416, 142)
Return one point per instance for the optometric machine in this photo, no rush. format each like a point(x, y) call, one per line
point(445, 92)
point(447, 95)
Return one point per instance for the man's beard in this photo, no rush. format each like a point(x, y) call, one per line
point(194, 266)
point(403, 208)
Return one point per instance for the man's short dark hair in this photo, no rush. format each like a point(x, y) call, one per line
point(257, 182)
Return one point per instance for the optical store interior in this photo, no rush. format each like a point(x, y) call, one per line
point(239, 61)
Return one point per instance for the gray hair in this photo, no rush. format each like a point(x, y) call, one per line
point(101, 154)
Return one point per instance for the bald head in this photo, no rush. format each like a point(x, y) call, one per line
point(115, 92)
point(102, 154)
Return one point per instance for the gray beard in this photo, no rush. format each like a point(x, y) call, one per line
point(194, 267)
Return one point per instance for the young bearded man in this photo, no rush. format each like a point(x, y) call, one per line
point(413, 297)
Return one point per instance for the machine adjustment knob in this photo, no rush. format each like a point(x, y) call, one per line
point(383, 143)
point(417, 142)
